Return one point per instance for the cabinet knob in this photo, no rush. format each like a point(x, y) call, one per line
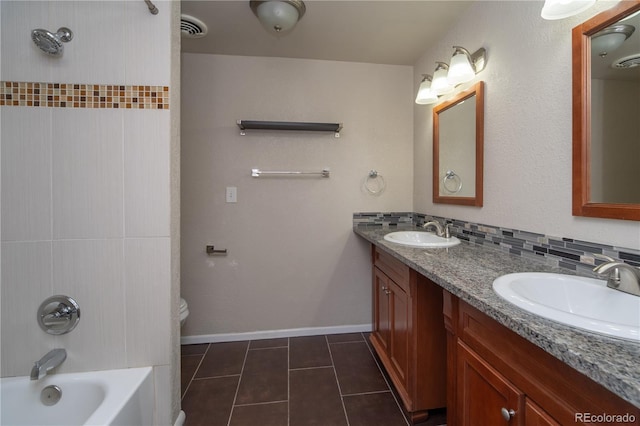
point(387, 292)
point(507, 414)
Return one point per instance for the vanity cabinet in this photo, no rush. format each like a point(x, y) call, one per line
point(496, 377)
point(408, 334)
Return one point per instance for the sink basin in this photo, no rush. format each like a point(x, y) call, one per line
point(585, 303)
point(421, 239)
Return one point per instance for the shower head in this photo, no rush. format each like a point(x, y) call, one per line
point(50, 43)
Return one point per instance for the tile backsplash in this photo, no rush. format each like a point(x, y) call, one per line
point(567, 253)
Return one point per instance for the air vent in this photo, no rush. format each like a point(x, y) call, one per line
point(627, 62)
point(192, 27)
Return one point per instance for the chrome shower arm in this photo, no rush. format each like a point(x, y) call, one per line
point(152, 8)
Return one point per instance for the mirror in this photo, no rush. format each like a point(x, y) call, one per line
point(458, 140)
point(606, 111)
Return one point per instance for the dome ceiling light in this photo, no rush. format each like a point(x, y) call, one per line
point(278, 16)
point(611, 38)
point(560, 9)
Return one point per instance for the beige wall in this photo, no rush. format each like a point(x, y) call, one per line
point(86, 194)
point(527, 157)
point(615, 132)
point(293, 260)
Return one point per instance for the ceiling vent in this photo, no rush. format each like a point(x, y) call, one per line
point(627, 62)
point(192, 27)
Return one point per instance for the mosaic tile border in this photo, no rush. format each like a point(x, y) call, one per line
point(568, 253)
point(70, 95)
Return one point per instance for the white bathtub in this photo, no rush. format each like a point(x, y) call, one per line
point(110, 397)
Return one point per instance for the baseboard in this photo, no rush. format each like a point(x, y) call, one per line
point(273, 334)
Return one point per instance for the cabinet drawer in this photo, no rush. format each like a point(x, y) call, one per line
point(393, 268)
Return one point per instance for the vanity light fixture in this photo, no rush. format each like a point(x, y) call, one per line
point(278, 16)
point(464, 66)
point(440, 85)
point(560, 9)
point(425, 95)
point(611, 38)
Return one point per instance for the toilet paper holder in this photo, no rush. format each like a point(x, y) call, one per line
point(212, 250)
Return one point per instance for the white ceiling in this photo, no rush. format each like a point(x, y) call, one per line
point(380, 31)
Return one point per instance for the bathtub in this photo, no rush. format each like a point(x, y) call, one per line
point(110, 397)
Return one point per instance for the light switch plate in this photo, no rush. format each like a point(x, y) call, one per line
point(232, 194)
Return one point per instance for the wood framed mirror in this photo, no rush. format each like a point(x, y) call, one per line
point(606, 124)
point(458, 148)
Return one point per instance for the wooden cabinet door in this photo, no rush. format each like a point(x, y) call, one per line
point(399, 349)
point(381, 309)
point(483, 393)
point(534, 415)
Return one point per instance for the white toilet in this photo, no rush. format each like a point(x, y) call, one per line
point(184, 311)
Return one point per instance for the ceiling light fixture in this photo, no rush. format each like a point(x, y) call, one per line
point(425, 95)
point(611, 38)
point(560, 9)
point(278, 16)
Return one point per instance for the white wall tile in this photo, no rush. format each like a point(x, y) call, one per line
point(96, 53)
point(87, 173)
point(162, 383)
point(26, 283)
point(146, 173)
point(150, 47)
point(22, 60)
point(26, 174)
point(148, 309)
point(91, 271)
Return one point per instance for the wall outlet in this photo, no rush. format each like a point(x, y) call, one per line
point(232, 194)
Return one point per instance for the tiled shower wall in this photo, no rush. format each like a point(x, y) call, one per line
point(565, 252)
point(85, 175)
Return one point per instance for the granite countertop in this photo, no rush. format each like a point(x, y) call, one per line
point(468, 270)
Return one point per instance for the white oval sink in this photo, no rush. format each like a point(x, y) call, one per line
point(585, 303)
point(421, 239)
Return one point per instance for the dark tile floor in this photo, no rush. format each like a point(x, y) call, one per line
point(299, 381)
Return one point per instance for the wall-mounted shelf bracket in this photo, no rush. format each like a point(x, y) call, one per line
point(289, 125)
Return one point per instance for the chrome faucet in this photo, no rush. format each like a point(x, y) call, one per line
point(441, 231)
point(48, 362)
point(620, 276)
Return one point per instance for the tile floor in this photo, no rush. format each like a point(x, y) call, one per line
point(299, 381)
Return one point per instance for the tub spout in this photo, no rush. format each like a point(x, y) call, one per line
point(48, 362)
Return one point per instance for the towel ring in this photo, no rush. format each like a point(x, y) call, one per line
point(374, 183)
point(452, 176)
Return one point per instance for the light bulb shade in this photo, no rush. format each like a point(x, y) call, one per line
point(440, 85)
point(611, 38)
point(560, 9)
point(460, 68)
point(425, 95)
point(607, 43)
point(278, 16)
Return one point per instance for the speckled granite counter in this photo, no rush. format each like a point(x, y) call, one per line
point(468, 271)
